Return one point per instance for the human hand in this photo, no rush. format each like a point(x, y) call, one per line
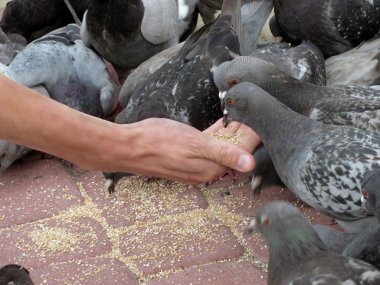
point(176, 151)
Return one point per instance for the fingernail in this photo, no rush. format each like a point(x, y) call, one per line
point(244, 163)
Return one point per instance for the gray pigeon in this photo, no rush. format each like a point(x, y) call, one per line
point(72, 73)
point(61, 67)
point(14, 274)
point(298, 256)
point(322, 164)
point(341, 105)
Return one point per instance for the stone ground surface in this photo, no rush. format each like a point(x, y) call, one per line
point(59, 222)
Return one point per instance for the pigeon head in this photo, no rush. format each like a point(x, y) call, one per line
point(371, 192)
point(246, 69)
point(235, 104)
point(241, 101)
point(284, 227)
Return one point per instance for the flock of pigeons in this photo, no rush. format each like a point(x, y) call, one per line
point(314, 99)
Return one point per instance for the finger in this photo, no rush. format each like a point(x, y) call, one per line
point(228, 155)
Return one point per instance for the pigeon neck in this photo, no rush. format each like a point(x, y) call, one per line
point(298, 95)
point(277, 124)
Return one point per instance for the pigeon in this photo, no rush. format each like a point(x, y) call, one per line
point(14, 274)
point(342, 105)
point(72, 73)
point(35, 18)
point(298, 256)
point(183, 89)
point(128, 32)
point(334, 26)
point(358, 66)
point(61, 67)
point(143, 71)
point(10, 46)
point(322, 164)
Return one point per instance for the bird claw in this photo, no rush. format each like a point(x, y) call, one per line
point(256, 185)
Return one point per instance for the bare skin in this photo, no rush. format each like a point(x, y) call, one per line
point(153, 147)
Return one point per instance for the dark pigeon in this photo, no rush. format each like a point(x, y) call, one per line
point(334, 26)
point(127, 32)
point(322, 164)
point(35, 18)
point(183, 89)
point(14, 274)
point(298, 256)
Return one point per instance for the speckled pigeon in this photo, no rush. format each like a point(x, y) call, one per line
point(322, 164)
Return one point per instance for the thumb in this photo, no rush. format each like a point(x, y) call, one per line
point(229, 155)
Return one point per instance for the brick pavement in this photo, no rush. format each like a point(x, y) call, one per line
point(59, 222)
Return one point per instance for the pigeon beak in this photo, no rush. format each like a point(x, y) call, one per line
point(252, 227)
point(226, 120)
point(221, 97)
point(363, 199)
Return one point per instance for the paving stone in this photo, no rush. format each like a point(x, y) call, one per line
point(137, 200)
point(231, 179)
point(183, 241)
point(36, 190)
point(55, 240)
point(85, 272)
point(225, 273)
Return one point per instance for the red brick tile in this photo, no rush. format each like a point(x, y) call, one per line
point(225, 273)
point(85, 272)
point(136, 200)
point(35, 245)
point(238, 200)
point(229, 180)
point(188, 240)
point(36, 190)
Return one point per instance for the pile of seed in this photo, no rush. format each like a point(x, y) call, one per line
point(228, 137)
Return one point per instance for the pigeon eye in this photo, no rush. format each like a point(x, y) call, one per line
point(233, 82)
point(264, 220)
point(230, 101)
point(3, 154)
point(365, 195)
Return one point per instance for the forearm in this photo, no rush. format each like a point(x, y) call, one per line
point(154, 147)
point(35, 121)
